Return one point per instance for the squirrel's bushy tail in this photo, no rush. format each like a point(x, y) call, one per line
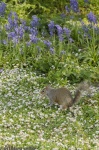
point(82, 87)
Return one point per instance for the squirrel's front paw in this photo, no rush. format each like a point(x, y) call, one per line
point(49, 105)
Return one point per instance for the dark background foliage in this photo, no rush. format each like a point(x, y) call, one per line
point(45, 7)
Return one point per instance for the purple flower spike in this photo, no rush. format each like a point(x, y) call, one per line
point(52, 50)
point(1, 70)
point(67, 9)
point(86, 1)
point(11, 34)
point(19, 32)
point(74, 5)
point(67, 32)
point(92, 18)
point(4, 42)
point(12, 21)
point(60, 32)
point(47, 43)
point(2, 8)
point(35, 21)
point(33, 38)
point(33, 31)
point(51, 26)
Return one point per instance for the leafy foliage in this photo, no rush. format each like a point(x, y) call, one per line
point(64, 48)
point(28, 8)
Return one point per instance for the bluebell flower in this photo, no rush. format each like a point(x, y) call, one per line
point(33, 31)
point(15, 40)
point(19, 32)
point(86, 1)
point(14, 17)
point(35, 21)
point(7, 26)
point(1, 70)
point(11, 34)
point(71, 40)
point(47, 43)
point(86, 30)
point(23, 23)
point(33, 38)
point(2, 8)
point(60, 32)
point(84, 27)
point(59, 29)
point(67, 9)
point(67, 32)
point(63, 16)
point(15, 29)
point(51, 26)
point(74, 5)
point(12, 21)
point(52, 51)
point(91, 18)
point(4, 42)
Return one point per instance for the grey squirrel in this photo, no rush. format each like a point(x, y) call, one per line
point(62, 96)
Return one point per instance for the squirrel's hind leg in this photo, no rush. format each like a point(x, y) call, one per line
point(64, 107)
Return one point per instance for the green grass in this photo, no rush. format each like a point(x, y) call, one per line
point(26, 121)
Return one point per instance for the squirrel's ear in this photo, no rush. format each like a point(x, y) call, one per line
point(47, 87)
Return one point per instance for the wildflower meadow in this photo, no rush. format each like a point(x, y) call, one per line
point(54, 43)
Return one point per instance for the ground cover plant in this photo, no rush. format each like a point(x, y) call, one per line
point(59, 50)
point(26, 121)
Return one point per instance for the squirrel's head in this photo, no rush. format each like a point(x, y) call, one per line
point(45, 90)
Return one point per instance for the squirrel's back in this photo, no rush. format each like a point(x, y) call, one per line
point(61, 96)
